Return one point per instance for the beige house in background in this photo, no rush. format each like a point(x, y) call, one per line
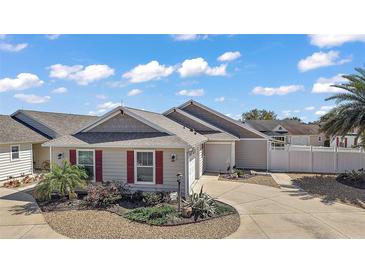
point(290, 131)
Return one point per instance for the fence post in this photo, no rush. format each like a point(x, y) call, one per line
point(311, 158)
point(288, 148)
point(335, 159)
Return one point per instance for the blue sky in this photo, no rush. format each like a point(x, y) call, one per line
point(90, 74)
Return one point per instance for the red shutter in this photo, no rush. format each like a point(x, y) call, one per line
point(130, 166)
point(98, 165)
point(337, 142)
point(159, 166)
point(73, 156)
point(345, 142)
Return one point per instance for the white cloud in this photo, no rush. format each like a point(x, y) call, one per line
point(323, 85)
point(101, 96)
point(53, 36)
point(219, 99)
point(134, 92)
point(198, 66)
point(282, 90)
point(108, 105)
point(80, 74)
point(191, 92)
point(323, 110)
point(286, 113)
point(189, 37)
point(59, 90)
point(296, 111)
point(151, 71)
point(322, 59)
point(310, 108)
point(229, 56)
point(96, 112)
point(21, 82)
point(32, 98)
point(13, 48)
point(326, 41)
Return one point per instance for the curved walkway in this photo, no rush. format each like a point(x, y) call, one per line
point(20, 217)
point(288, 212)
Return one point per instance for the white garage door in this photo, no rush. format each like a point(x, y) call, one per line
point(300, 140)
point(218, 157)
point(191, 169)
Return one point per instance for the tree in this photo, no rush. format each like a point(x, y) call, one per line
point(349, 113)
point(294, 118)
point(259, 114)
point(64, 180)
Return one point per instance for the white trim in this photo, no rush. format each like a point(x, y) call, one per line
point(77, 160)
point(223, 117)
point(186, 175)
point(31, 150)
point(252, 139)
point(221, 143)
point(153, 167)
point(196, 119)
point(11, 153)
point(114, 146)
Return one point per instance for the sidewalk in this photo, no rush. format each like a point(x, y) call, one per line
point(21, 218)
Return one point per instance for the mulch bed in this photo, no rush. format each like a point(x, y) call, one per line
point(329, 190)
point(253, 179)
point(98, 224)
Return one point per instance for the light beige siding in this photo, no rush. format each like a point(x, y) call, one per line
point(16, 168)
point(251, 154)
point(40, 155)
point(122, 123)
point(115, 166)
point(33, 123)
point(218, 157)
point(314, 140)
point(199, 162)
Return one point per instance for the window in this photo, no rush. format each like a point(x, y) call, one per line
point(85, 158)
point(319, 138)
point(279, 138)
point(145, 166)
point(14, 153)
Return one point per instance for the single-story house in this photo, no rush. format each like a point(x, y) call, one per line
point(145, 149)
point(290, 131)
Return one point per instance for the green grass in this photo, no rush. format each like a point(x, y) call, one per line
point(157, 215)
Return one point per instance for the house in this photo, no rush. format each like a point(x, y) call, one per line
point(290, 131)
point(347, 141)
point(144, 149)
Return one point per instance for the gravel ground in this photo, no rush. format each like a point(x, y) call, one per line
point(329, 190)
point(93, 224)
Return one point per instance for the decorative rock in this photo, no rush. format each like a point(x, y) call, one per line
point(186, 212)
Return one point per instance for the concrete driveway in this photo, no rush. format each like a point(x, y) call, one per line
point(20, 217)
point(267, 212)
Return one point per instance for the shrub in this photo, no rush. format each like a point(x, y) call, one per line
point(63, 180)
point(155, 198)
point(157, 215)
point(352, 177)
point(202, 204)
point(102, 195)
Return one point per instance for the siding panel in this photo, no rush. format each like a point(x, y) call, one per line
point(251, 154)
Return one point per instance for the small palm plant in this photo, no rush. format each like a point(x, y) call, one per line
point(349, 114)
point(63, 180)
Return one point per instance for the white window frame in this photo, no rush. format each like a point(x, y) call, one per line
point(77, 160)
point(11, 153)
point(153, 167)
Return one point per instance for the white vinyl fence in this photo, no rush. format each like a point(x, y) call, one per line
point(292, 158)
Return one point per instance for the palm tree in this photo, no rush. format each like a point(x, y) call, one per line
point(62, 179)
point(349, 114)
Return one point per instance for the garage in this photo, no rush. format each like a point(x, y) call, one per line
point(217, 156)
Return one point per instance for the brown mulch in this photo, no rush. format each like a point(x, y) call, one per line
point(94, 224)
point(255, 179)
point(329, 190)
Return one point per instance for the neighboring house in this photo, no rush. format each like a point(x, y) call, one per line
point(144, 149)
point(347, 141)
point(16, 147)
point(290, 131)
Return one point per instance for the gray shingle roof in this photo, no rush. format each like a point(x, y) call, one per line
point(191, 138)
point(293, 127)
point(117, 139)
point(62, 123)
point(218, 136)
point(12, 131)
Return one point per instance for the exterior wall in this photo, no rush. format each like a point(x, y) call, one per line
point(218, 156)
point(16, 168)
point(115, 166)
point(40, 155)
point(314, 140)
point(350, 141)
point(220, 122)
point(187, 122)
point(251, 154)
point(199, 162)
point(36, 125)
point(122, 123)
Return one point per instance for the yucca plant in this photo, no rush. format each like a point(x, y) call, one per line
point(202, 204)
point(63, 180)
